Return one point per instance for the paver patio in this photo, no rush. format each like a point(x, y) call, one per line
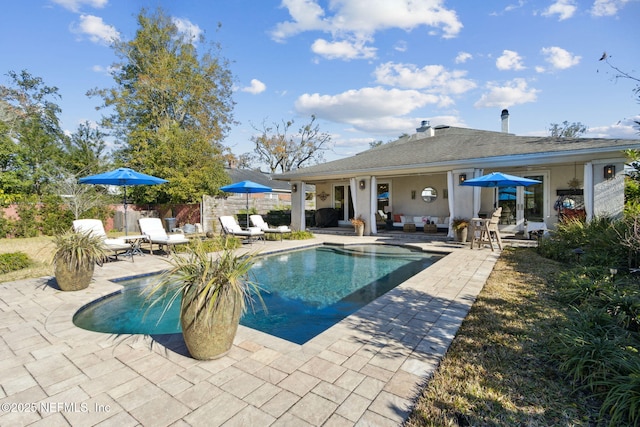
point(366, 370)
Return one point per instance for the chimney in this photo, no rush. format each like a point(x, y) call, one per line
point(425, 127)
point(505, 120)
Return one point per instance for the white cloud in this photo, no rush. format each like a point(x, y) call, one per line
point(190, 32)
point(463, 57)
point(96, 29)
point(74, 5)
point(255, 88)
point(624, 129)
point(509, 60)
point(431, 77)
point(607, 7)
point(504, 96)
point(401, 46)
point(559, 58)
point(343, 49)
point(103, 70)
point(565, 9)
point(358, 21)
point(368, 109)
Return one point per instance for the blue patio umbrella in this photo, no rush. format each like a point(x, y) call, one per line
point(122, 177)
point(246, 187)
point(499, 179)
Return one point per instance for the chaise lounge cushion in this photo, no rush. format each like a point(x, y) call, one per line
point(96, 228)
point(154, 233)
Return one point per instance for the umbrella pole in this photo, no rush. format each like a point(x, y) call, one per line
point(247, 210)
point(125, 209)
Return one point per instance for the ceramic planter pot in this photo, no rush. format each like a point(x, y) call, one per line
point(213, 338)
point(461, 234)
point(359, 229)
point(73, 279)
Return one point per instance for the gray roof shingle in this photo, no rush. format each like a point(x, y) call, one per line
point(451, 146)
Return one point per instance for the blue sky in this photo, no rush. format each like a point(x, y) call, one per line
point(369, 70)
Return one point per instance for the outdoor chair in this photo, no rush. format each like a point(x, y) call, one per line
point(154, 233)
point(258, 221)
point(492, 226)
point(230, 227)
point(95, 227)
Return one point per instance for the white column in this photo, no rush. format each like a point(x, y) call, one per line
point(297, 206)
point(588, 190)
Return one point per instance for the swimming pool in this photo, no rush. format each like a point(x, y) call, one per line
point(305, 292)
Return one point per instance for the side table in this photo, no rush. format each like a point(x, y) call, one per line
point(135, 241)
point(408, 227)
point(430, 228)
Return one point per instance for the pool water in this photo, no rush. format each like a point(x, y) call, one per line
point(305, 292)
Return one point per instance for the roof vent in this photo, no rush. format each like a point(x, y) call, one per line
point(425, 127)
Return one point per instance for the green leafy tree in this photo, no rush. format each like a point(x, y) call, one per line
point(30, 131)
point(567, 130)
point(171, 109)
point(86, 151)
point(284, 152)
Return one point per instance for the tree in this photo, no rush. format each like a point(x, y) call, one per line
point(623, 75)
point(285, 152)
point(30, 132)
point(171, 109)
point(566, 130)
point(374, 144)
point(80, 198)
point(85, 151)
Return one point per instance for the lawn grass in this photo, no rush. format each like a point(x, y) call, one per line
point(498, 371)
point(40, 251)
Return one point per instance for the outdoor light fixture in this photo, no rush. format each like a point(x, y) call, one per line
point(294, 188)
point(361, 184)
point(462, 178)
point(609, 171)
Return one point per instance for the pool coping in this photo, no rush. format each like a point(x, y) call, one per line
point(368, 368)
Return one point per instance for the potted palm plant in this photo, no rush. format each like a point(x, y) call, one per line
point(75, 257)
point(358, 224)
point(460, 227)
point(213, 293)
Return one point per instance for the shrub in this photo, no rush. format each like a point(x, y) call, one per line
point(299, 235)
point(593, 349)
point(599, 239)
point(55, 217)
point(576, 285)
point(14, 261)
point(622, 400)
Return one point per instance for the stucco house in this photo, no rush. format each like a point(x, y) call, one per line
point(420, 175)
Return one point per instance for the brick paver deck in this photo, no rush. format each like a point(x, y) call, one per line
point(366, 370)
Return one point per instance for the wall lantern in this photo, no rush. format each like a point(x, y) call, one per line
point(609, 171)
point(362, 184)
point(294, 188)
point(462, 178)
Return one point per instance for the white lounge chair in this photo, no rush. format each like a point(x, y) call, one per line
point(258, 221)
point(154, 232)
point(231, 227)
point(95, 227)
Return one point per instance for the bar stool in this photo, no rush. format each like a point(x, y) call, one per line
point(480, 233)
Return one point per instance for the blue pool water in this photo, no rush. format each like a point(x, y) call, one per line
point(305, 292)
